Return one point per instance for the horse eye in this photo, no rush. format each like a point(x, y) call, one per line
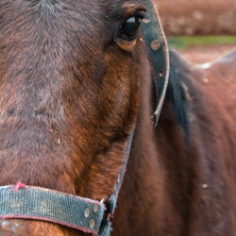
point(131, 27)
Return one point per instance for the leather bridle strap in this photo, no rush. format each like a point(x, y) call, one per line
point(157, 50)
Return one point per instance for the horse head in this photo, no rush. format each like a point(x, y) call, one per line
point(70, 74)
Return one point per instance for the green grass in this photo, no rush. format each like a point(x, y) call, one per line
point(183, 42)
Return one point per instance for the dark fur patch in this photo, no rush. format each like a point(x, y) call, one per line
point(175, 92)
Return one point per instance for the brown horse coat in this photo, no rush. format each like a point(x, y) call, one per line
point(185, 169)
point(70, 90)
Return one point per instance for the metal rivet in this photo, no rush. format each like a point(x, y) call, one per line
point(86, 212)
point(95, 209)
point(103, 200)
point(155, 45)
point(92, 223)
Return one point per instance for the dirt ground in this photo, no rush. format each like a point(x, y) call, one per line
point(200, 55)
point(197, 17)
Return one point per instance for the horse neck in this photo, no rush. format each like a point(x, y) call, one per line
point(176, 182)
point(199, 180)
point(158, 176)
point(194, 154)
point(158, 164)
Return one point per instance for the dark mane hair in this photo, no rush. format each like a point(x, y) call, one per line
point(177, 92)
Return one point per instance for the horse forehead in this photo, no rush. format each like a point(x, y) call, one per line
point(83, 7)
point(73, 9)
point(47, 24)
point(50, 11)
point(85, 20)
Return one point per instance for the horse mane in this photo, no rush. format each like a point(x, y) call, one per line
point(177, 91)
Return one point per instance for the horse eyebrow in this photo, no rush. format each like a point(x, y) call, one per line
point(129, 9)
point(126, 10)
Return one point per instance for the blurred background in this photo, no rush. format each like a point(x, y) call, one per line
point(201, 30)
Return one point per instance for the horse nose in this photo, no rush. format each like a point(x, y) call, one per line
point(14, 227)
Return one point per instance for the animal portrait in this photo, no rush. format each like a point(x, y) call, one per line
point(105, 131)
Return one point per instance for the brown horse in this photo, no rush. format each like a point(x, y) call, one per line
point(73, 82)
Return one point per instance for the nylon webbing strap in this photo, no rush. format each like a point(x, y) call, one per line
point(52, 206)
point(156, 44)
